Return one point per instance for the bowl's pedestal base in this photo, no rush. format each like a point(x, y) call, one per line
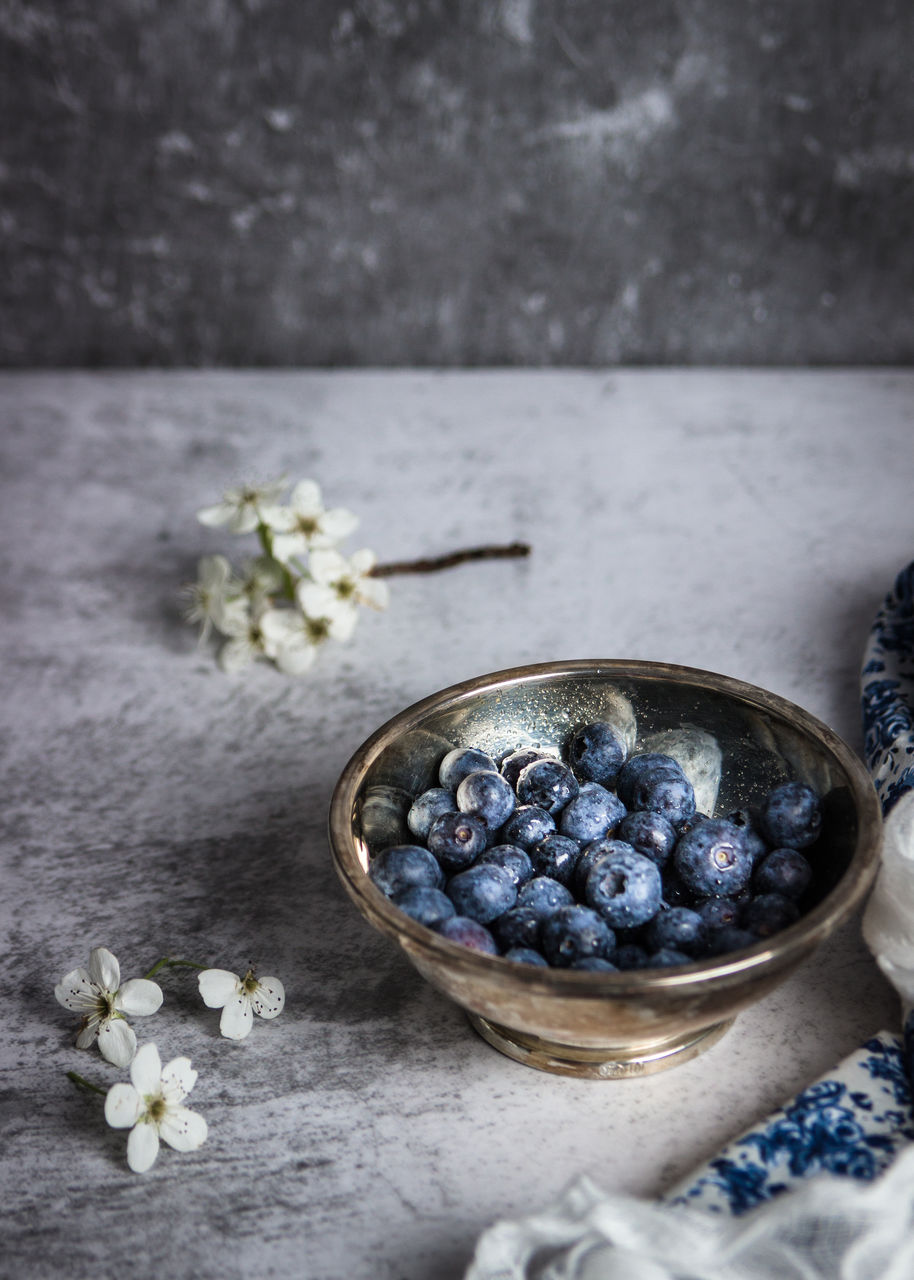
point(609, 1063)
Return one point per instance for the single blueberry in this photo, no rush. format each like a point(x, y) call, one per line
point(403, 866)
point(729, 938)
point(769, 913)
point(528, 825)
point(548, 784)
point(591, 814)
point(680, 928)
point(426, 906)
point(573, 932)
point(487, 796)
point(456, 839)
point(519, 927)
point(662, 791)
point(667, 958)
point(544, 895)
point(636, 767)
point(718, 913)
point(648, 833)
point(631, 956)
point(791, 816)
point(596, 752)
point(463, 760)
point(555, 856)
point(748, 821)
point(510, 858)
point(783, 871)
point(482, 892)
point(713, 859)
point(510, 768)
point(595, 964)
point(427, 807)
point(527, 955)
point(469, 933)
point(591, 854)
point(625, 889)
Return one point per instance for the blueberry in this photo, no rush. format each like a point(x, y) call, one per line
point(591, 814)
point(456, 839)
point(595, 964)
point(648, 833)
point(596, 752)
point(748, 821)
point(631, 956)
point(526, 955)
point(783, 871)
point(482, 892)
point(544, 895)
point(427, 807)
point(512, 764)
point(791, 816)
point(636, 767)
point(624, 888)
point(528, 825)
point(718, 913)
point(671, 795)
point(519, 927)
point(729, 938)
point(713, 858)
point(667, 958)
point(486, 796)
point(427, 906)
point(469, 933)
point(458, 763)
point(591, 854)
point(403, 866)
point(680, 928)
point(555, 856)
point(574, 932)
point(548, 784)
point(769, 913)
point(510, 858)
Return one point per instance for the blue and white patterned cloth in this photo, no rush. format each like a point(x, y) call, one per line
point(887, 689)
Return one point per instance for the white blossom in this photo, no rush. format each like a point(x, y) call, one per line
point(98, 994)
point(214, 596)
point(240, 998)
point(294, 636)
point(305, 524)
point(246, 640)
point(242, 509)
point(337, 581)
point(152, 1108)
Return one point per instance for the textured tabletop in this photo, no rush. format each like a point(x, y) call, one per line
point(747, 523)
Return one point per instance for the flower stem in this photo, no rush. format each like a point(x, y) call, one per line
point(432, 564)
point(82, 1083)
point(265, 534)
point(174, 964)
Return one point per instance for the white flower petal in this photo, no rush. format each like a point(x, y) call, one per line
point(286, 546)
point(146, 1070)
point(236, 654)
point(216, 515)
point(374, 592)
point(269, 998)
point(123, 1106)
point(87, 1035)
point(305, 499)
point(327, 566)
point(338, 523)
point(278, 626)
point(362, 561)
point(214, 572)
point(182, 1129)
point(244, 519)
point(342, 620)
point(294, 659)
point(139, 996)
point(277, 519)
point(77, 991)
point(142, 1147)
point(117, 1041)
point(217, 986)
point(104, 969)
point(237, 1018)
point(315, 599)
point(178, 1078)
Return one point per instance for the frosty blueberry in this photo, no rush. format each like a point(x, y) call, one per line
point(713, 858)
point(648, 833)
point(637, 767)
point(729, 938)
point(596, 752)
point(769, 913)
point(548, 784)
point(748, 821)
point(555, 856)
point(456, 839)
point(512, 764)
point(791, 816)
point(544, 895)
point(625, 889)
point(573, 933)
point(469, 933)
point(487, 796)
point(403, 866)
point(679, 928)
point(591, 814)
point(519, 927)
point(657, 783)
point(427, 807)
point(527, 955)
point(783, 871)
point(482, 893)
point(528, 825)
point(424, 905)
point(591, 854)
point(510, 858)
point(458, 763)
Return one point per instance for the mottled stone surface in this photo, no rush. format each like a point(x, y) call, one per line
point(247, 182)
point(739, 522)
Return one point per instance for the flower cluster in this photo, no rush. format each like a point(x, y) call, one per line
point(152, 1105)
point(298, 593)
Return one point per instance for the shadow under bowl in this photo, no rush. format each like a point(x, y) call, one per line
point(609, 1025)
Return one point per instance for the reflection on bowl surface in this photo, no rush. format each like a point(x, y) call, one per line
point(743, 741)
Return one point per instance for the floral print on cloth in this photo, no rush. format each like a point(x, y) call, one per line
point(851, 1122)
point(887, 692)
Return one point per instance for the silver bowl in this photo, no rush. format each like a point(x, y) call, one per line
point(609, 1025)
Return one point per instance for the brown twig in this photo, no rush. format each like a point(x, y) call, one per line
point(431, 564)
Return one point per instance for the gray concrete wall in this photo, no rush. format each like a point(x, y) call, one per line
point(468, 182)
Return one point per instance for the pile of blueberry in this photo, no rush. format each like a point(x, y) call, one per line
point(596, 862)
